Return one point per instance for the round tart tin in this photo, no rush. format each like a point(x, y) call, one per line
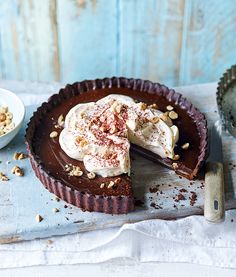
point(88, 91)
point(226, 99)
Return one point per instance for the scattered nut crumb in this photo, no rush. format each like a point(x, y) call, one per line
point(73, 170)
point(53, 134)
point(173, 115)
point(3, 177)
point(154, 120)
point(81, 141)
point(176, 157)
point(169, 108)
point(91, 175)
point(185, 146)
point(175, 166)
point(110, 185)
point(117, 180)
point(6, 124)
point(153, 106)
point(55, 210)
point(76, 171)
point(19, 156)
point(113, 129)
point(166, 119)
point(142, 106)
point(17, 171)
point(55, 198)
point(38, 218)
point(102, 185)
point(60, 120)
point(50, 241)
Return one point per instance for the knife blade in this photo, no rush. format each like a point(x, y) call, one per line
point(214, 208)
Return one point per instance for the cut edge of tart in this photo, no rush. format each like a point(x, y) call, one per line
point(112, 204)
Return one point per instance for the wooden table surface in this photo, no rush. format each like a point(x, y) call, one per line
point(121, 267)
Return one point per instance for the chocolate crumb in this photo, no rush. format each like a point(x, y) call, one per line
point(50, 241)
point(153, 189)
point(193, 198)
point(180, 197)
point(155, 206)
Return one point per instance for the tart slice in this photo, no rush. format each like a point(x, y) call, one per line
point(85, 160)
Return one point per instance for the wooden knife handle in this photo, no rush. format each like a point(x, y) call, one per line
point(214, 206)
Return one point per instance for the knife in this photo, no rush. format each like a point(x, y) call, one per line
point(214, 206)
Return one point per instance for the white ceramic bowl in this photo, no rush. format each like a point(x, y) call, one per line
point(17, 108)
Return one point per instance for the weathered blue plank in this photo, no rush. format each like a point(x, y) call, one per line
point(210, 43)
point(174, 41)
point(87, 39)
point(150, 39)
point(29, 40)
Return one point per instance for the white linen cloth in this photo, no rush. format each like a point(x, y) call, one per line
point(191, 239)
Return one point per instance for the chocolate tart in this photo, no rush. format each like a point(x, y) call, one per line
point(48, 160)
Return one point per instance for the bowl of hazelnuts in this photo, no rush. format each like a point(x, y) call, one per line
point(12, 113)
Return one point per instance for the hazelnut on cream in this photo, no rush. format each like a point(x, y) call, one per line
point(108, 126)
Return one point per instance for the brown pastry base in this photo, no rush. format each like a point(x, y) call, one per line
point(48, 160)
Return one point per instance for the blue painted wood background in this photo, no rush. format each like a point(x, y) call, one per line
point(175, 42)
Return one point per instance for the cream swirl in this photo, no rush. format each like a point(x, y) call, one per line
point(99, 133)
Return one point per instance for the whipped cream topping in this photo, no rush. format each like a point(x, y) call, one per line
point(99, 133)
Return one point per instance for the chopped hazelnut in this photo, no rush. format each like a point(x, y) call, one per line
point(6, 123)
point(91, 175)
point(169, 108)
point(77, 173)
point(83, 143)
point(60, 120)
point(38, 218)
point(185, 146)
point(175, 166)
point(2, 117)
point(110, 185)
point(143, 106)
point(19, 156)
point(113, 129)
point(102, 128)
point(53, 134)
point(102, 185)
point(55, 198)
point(16, 156)
point(166, 119)
point(173, 115)
point(55, 210)
point(17, 171)
point(81, 115)
point(176, 157)
point(3, 110)
point(117, 180)
point(3, 177)
point(153, 106)
point(154, 120)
